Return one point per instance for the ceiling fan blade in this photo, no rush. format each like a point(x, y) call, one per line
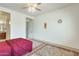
point(38, 3)
point(38, 9)
point(24, 7)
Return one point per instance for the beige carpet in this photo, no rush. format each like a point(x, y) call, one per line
point(43, 49)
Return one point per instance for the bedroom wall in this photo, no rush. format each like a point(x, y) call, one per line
point(18, 23)
point(65, 33)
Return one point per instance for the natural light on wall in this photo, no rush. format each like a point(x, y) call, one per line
point(1, 22)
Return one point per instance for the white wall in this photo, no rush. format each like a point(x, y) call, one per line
point(66, 33)
point(18, 23)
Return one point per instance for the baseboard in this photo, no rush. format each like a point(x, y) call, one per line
point(59, 45)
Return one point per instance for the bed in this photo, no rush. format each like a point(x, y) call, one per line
point(15, 47)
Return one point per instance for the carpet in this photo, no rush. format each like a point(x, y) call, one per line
point(43, 49)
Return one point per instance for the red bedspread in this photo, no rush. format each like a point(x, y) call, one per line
point(5, 49)
point(15, 47)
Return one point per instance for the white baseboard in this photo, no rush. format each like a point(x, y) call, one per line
point(58, 45)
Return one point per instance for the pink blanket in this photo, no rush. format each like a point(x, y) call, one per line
point(15, 47)
point(5, 49)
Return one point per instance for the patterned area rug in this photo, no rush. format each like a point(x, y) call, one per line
point(36, 44)
point(52, 51)
point(43, 49)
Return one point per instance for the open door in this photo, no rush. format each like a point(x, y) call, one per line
point(4, 25)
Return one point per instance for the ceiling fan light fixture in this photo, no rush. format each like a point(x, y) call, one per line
point(32, 7)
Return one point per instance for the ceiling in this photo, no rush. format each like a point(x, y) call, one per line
point(45, 7)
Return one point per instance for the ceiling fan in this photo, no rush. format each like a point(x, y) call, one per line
point(32, 7)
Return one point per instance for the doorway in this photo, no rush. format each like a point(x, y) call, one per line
point(4, 25)
point(29, 27)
